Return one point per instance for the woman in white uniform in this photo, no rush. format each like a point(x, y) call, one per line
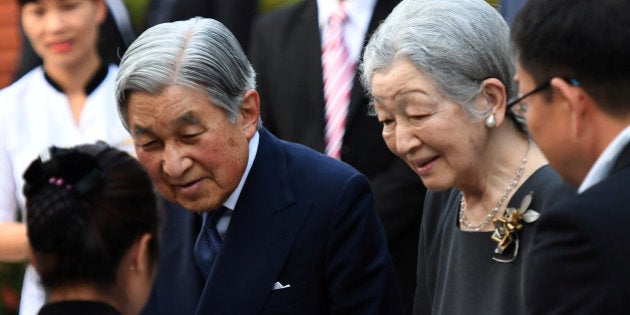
point(67, 101)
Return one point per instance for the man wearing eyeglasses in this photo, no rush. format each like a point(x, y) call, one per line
point(574, 77)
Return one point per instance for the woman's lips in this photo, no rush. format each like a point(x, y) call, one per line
point(60, 47)
point(423, 167)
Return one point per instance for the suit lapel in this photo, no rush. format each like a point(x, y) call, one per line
point(623, 160)
point(263, 228)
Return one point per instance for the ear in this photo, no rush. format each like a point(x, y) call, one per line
point(30, 255)
point(573, 99)
point(249, 113)
point(101, 11)
point(494, 95)
point(138, 258)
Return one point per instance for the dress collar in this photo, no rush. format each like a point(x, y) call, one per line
point(93, 83)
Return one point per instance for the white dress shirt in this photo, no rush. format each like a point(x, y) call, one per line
point(359, 16)
point(606, 160)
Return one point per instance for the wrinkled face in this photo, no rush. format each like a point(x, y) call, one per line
point(194, 155)
point(433, 135)
point(62, 32)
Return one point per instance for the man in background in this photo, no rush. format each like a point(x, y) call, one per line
point(574, 77)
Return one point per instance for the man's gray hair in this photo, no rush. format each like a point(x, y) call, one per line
point(456, 43)
point(197, 53)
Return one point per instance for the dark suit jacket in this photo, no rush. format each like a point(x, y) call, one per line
point(302, 219)
point(286, 54)
point(581, 254)
point(236, 15)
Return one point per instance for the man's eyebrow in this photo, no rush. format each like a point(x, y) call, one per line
point(139, 131)
point(188, 118)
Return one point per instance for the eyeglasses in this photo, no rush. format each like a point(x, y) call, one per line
point(521, 109)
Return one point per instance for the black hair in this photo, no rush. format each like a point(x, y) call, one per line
point(86, 206)
point(582, 39)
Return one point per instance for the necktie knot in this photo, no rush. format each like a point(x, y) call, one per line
point(338, 17)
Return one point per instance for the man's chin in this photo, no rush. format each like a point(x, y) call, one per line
point(194, 206)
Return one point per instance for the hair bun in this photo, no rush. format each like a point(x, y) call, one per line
point(78, 171)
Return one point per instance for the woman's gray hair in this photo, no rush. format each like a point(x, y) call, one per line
point(196, 53)
point(456, 43)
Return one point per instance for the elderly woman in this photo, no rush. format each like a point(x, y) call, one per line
point(440, 74)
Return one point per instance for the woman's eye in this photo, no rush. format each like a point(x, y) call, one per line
point(36, 11)
point(418, 117)
point(386, 122)
point(70, 5)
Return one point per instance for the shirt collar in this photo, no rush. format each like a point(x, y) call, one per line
point(359, 11)
point(606, 160)
point(230, 203)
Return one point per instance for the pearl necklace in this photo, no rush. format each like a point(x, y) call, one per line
point(465, 225)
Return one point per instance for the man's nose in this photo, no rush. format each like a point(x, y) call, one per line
point(175, 162)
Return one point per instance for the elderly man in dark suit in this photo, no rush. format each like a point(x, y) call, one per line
point(274, 227)
point(574, 75)
point(288, 50)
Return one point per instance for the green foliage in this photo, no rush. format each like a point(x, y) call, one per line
point(10, 286)
point(137, 13)
point(268, 5)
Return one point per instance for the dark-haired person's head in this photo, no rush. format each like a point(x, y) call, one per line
point(92, 225)
point(575, 53)
point(63, 33)
point(582, 39)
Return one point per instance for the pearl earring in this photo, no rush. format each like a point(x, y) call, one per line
point(491, 121)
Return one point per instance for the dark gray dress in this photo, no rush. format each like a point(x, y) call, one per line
point(456, 272)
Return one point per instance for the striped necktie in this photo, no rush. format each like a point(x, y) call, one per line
point(338, 72)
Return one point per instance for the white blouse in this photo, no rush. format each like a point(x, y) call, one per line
point(33, 116)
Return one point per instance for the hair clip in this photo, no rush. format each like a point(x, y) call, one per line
point(59, 182)
point(45, 156)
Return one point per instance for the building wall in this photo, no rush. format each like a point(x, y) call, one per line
point(10, 40)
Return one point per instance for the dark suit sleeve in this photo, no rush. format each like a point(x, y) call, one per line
point(570, 270)
point(359, 272)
